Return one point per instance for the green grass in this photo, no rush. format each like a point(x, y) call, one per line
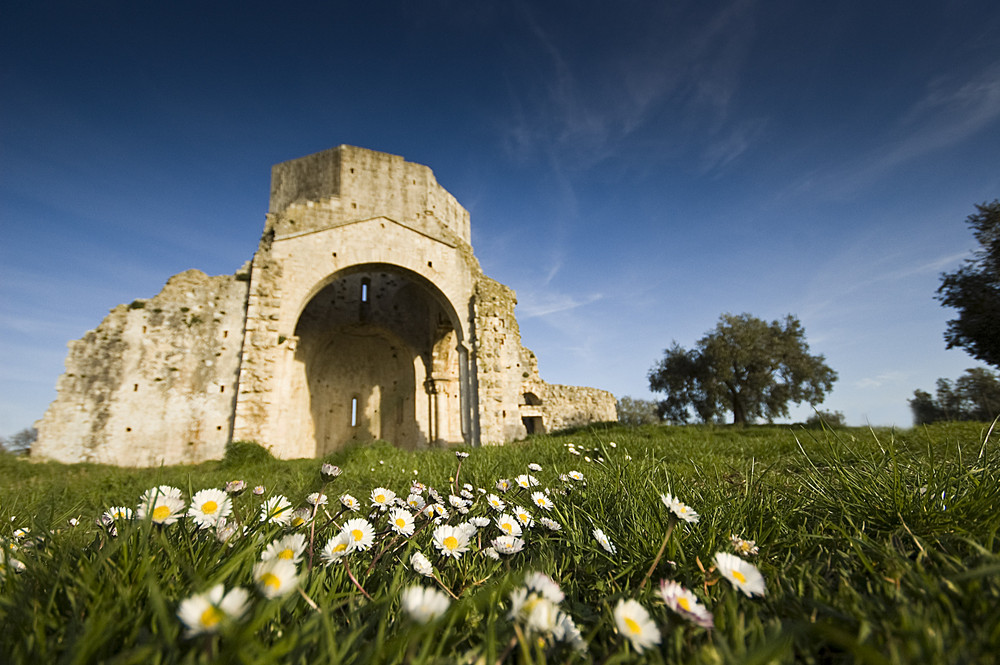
point(876, 547)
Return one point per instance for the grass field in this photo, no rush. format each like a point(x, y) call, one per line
point(875, 547)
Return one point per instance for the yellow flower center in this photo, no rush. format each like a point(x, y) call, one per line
point(451, 542)
point(522, 517)
point(400, 522)
point(339, 547)
point(380, 498)
point(632, 626)
point(271, 580)
point(507, 527)
point(286, 553)
point(740, 576)
point(161, 513)
point(210, 617)
point(209, 507)
point(357, 534)
point(684, 603)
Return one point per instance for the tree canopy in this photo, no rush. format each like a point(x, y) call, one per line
point(973, 396)
point(747, 366)
point(974, 290)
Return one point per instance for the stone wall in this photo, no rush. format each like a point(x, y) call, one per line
point(155, 382)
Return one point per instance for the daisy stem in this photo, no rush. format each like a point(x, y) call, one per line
point(659, 555)
point(450, 593)
point(381, 552)
point(353, 579)
point(506, 652)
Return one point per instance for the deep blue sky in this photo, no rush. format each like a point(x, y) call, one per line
point(633, 169)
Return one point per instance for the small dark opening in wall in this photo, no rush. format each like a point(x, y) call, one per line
point(225, 334)
point(354, 412)
point(219, 428)
point(365, 283)
point(128, 429)
point(354, 205)
point(144, 330)
point(352, 170)
point(430, 264)
point(335, 255)
point(222, 389)
point(135, 388)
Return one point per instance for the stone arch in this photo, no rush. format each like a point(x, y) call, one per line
point(379, 355)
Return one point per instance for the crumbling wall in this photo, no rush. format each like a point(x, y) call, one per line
point(155, 382)
point(573, 406)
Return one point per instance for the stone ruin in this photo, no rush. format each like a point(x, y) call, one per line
point(363, 315)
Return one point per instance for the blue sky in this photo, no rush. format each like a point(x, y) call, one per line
point(632, 169)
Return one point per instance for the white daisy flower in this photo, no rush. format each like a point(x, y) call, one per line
point(382, 498)
point(461, 454)
point(118, 513)
point(207, 612)
point(574, 451)
point(416, 502)
point(350, 502)
point(208, 506)
point(440, 512)
point(634, 623)
point(545, 585)
point(507, 544)
point(468, 528)
point(277, 510)
point(575, 475)
point(744, 547)
point(337, 547)
point(224, 531)
point(163, 505)
point(275, 578)
point(604, 541)
point(509, 525)
point(742, 574)
point(541, 500)
point(567, 631)
point(235, 486)
point(479, 522)
point(681, 510)
point(300, 517)
point(503, 485)
point(495, 503)
point(362, 533)
point(317, 499)
point(492, 553)
point(421, 564)
point(523, 516)
point(330, 471)
point(258, 490)
point(289, 548)
point(551, 525)
point(685, 603)
point(457, 501)
point(424, 604)
point(451, 541)
point(534, 467)
point(525, 481)
point(401, 521)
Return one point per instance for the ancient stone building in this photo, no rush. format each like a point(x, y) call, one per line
point(363, 315)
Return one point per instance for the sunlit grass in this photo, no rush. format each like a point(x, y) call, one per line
point(874, 546)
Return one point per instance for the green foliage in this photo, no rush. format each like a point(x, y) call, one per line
point(637, 411)
point(876, 547)
point(747, 366)
point(137, 304)
point(243, 453)
point(974, 290)
point(973, 396)
point(821, 419)
point(19, 443)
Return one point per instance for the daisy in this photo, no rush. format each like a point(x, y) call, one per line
point(382, 498)
point(525, 481)
point(575, 475)
point(401, 521)
point(422, 564)
point(604, 541)
point(289, 548)
point(507, 544)
point(509, 525)
point(491, 553)
point(479, 522)
point(681, 510)
point(235, 486)
point(350, 502)
point(538, 614)
point(118, 513)
point(258, 490)
point(207, 612)
point(451, 541)
point(567, 631)
point(551, 525)
point(336, 548)
point(329, 470)
point(416, 501)
point(683, 602)
point(275, 578)
point(634, 623)
point(503, 485)
point(468, 528)
point(163, 505)
point(423, 604)
point(495, 503)
point(541, 500)
point(440, 512)
point(457, 501)
point(742, 574)
point(316, 499)
point(744, 547)
point(362, 533)
point(299, 517)
point(224, 531)
point(461, 455)
point(277, 510)
point(545, 585)
point(208, 506)
point(523, 516)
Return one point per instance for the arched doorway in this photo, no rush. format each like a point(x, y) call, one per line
point(379, 355)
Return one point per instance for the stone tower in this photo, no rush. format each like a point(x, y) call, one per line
point(363, 315)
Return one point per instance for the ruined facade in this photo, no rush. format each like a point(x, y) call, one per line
point(363, 315)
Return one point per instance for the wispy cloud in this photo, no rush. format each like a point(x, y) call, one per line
point(544, 303)
point(882, 380)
